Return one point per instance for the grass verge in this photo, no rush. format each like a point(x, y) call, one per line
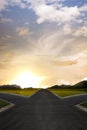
point(24, 92)
point(84, 104)
point(3, 103)
point(68, 92)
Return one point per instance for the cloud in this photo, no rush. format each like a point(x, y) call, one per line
point(52, 52)
point(79, 31)
point(23, 31)
point(6, 57)
point(83, 8)
point(3, 4)
point(2, 65)
point(74, 59)
point(67, 29)
point(48, 44)
point(51, 14)
point(56, 11)
point(5, 20)
point(9, 54)
point(3, 46)
point(19, 3)
point(5, 38)
point(56, 43)
point(65, 63)
point(54, 74)
point(82, 31)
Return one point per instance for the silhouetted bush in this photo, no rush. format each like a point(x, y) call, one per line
point(14, 86)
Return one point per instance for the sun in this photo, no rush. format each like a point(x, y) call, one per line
point(26, 80)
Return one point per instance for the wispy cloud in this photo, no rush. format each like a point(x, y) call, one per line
point(2, 65)
point(68, 29)
point(3, 46)
point(23, 31)
point(82, 31)
point(5, 38)
point(64, 63)
point(5, 20)
point(83, 8)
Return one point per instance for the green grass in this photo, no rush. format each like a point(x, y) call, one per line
point(59, 92)
point(84, 104)
point(67, 92)
point(25, 92)
point(3, 103)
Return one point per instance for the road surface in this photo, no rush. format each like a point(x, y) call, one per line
point(44, 111)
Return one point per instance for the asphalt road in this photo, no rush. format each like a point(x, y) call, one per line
point(13, 98)
point(44, 111)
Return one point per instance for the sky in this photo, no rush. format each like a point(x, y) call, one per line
point(45, 37)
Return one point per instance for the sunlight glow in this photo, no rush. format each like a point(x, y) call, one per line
point(26, 80)
point(60, 82)
point(84, 79)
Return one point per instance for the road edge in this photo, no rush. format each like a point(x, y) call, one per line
point(80, 107)
point(6, 107)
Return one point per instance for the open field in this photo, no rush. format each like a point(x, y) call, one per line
point(24, 92)
point(68, 92)
point(3, 103)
